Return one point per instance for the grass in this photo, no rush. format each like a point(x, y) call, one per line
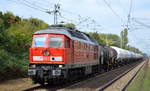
point(142, 81)
point(146, 84)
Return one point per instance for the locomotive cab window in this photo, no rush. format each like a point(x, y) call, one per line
point(56, 42)
point(39, 41)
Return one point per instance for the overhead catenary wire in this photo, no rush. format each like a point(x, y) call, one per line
point(30, 6)
point(131, 5)
point(134, 26)
point(45, 3)
point(134, 19)
point(143, 18)
point(69, 12)
point(129, 14)
point(123, 8)
point(82, 20)
point(135, 38)
point(29, 3)
point(113, 11)
point(141, 23)
point(40, 8)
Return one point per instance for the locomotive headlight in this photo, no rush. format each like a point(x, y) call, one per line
point(32, 66)
point(46, 52)
point(60, 66)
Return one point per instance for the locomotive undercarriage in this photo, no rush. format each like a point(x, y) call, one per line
point(52, 73)
point(43, 73)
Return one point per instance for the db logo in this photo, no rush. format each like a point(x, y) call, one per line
point(46, 58)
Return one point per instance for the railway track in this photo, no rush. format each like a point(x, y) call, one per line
point(121, 82)
point(103, 81)
point(99, 82)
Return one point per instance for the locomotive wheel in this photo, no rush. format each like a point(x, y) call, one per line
point(50, 82)
point(42, 83)
point(69, 76)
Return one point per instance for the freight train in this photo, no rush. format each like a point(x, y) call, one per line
point(62, 53)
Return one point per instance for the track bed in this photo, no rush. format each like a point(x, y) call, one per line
point(92, 83)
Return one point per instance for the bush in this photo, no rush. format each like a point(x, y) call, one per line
point(11, 66)
point(15, 40)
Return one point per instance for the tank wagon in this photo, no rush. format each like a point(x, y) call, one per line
point(125, 56)
point(62, 53)
point(107, 57)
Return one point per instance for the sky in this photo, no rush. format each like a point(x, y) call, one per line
point(91, 16)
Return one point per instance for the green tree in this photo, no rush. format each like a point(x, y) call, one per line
point(21, 34)
point(71, 25)
point(110, 39)
point(96, 36)
point(124, 38)
point(15, 40)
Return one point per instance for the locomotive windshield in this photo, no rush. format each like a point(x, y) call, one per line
point(56, 42)
point(40, 41)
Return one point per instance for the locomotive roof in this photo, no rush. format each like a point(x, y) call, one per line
point(71, 33)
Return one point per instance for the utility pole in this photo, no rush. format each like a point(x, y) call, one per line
point(129, 15)
point(121, 44)
point(128, 22)
point(55, 12)
point(107, 40)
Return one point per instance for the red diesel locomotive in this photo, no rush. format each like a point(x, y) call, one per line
point(62, 53)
